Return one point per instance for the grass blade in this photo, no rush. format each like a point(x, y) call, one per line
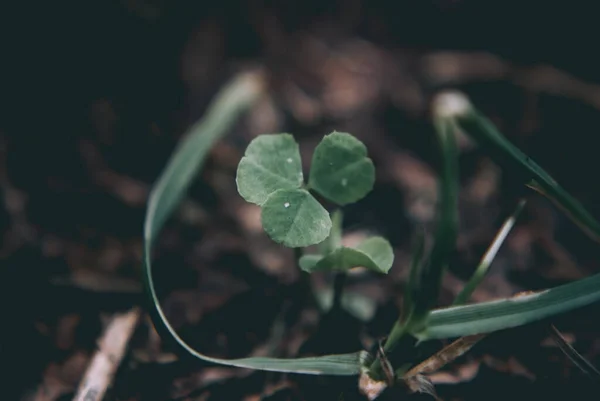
point(445, 236)
point(486, 317)
point(416, 263)
point(481, 129)
point(166, 194)
point(489, 256)
point(575, 357)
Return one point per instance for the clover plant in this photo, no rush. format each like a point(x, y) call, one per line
point(270, 175)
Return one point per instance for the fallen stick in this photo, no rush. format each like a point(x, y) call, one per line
point(111, 348)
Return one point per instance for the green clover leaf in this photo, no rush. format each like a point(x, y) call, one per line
point(294, 218)
point(375, 254)
point(271, 162)
point(340, 169)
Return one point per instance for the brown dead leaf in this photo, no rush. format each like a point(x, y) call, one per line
point(304, 108)
point(454, 67)
point(248, 215)
point(61, 379)
point(269, 390)
point(344, 76)
point(414, 377)
point(484, 184)
point(196, 381)
point(512, 366)
point(463, 373)
point(215, 288)
point(92, 280)
point(264, 117)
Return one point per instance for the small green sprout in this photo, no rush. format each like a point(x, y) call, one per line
point(270, 175)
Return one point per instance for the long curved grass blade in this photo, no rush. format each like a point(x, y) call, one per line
point(171, 186)
point(575, 357)
point(189, 155)
point(481, 129)
point(486, 317)
point(488, 257)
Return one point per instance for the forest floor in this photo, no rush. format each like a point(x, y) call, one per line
point(81, 145)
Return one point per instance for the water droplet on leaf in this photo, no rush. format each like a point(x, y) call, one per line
point(286, 204)
point(344, 182)
point(289, 159)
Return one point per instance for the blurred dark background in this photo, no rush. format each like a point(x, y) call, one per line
point(96, 94)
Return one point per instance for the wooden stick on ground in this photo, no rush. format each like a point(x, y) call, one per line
point(105, 362)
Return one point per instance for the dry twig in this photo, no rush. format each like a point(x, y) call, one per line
point(111, 349)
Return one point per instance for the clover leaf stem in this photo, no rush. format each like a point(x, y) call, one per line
point(333, 242)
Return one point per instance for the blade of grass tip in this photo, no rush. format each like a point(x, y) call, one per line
point(489, 256)
point(578, 360)
point(483, 131)
point(487, 317)
point(169, 189)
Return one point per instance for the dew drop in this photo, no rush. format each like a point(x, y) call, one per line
point(289, 159)
point(344, 182)
point(286, 204)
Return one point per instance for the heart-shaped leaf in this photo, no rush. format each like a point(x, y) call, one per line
point(375, 254)
point(340, 169)
point(271, 162)
point(294, 218)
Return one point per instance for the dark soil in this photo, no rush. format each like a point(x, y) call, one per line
point(97, 94)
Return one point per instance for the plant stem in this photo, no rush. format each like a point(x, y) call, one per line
point(397, 333)
point(333, 242)
point(338, 289)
